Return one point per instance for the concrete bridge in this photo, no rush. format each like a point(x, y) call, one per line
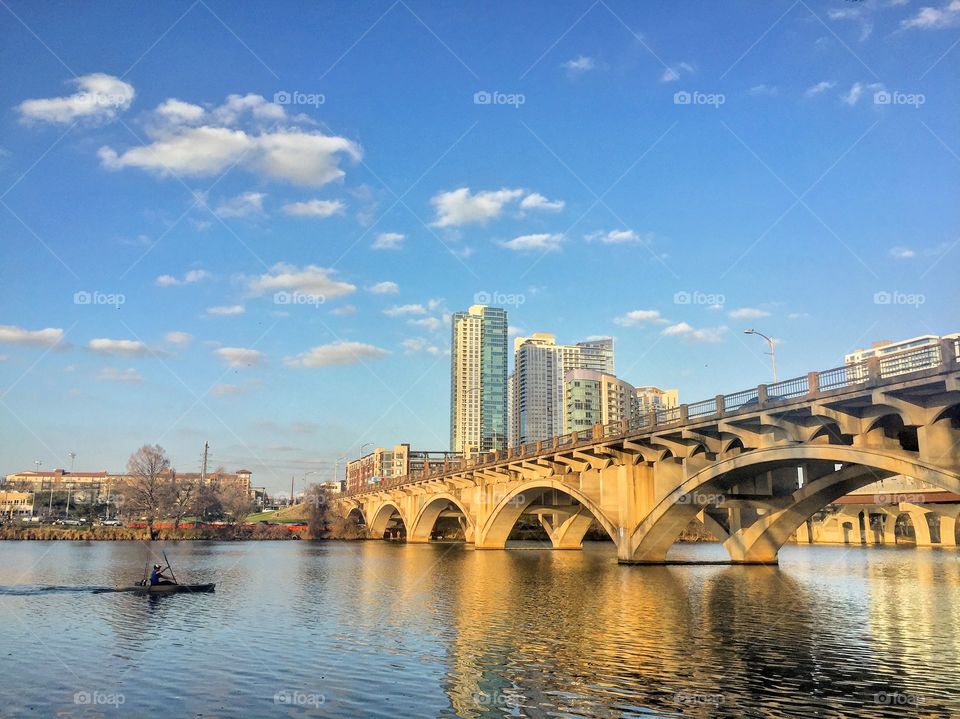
point(753, 466)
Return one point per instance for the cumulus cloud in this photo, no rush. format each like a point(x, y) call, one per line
point(615, 237)
point(181, 339)
point(384, 288)
point(243, 205)
point(433, 324)
point(344, 311)
point(819, 88)
point(309, 279)
point(673, 73)
point(121, 348)
point(748, 313)
point(461, 207)
point(388, 241)
point(401, 310)
point(337, 353)
point(189, 278)
point(705, 334)
point(931, 18)
point(853, 95)
point(226, 310)
point(314, 208)
point(123, 376)
point(179, 111)
point(579, 65)
point(639, 317)
point(47, 337)
point(98, 97)
point(416, 345)
point(543, 242)
point(902, 253)
point(536, 201)
point(239, 356)
point(284, 153)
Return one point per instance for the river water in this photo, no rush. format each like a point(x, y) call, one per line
point(376, 629)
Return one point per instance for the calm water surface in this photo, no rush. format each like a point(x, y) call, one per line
point(374, 629)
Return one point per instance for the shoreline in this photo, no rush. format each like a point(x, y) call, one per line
point(116, 534)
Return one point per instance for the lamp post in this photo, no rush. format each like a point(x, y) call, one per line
point(772, 353)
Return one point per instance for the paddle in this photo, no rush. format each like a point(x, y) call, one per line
point(172, 575)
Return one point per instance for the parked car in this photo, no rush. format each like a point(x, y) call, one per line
point(111, 523)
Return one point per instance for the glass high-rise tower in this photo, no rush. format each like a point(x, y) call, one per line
point(478, 380)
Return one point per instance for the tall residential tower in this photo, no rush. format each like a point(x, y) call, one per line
point(478, 380)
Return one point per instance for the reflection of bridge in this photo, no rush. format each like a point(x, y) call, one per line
point(753, 466)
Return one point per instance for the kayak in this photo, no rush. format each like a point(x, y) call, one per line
point(168, 588)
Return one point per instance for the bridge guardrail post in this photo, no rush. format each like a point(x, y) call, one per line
point(540, 444)
point(813, 383)
point(652, 419)
point(624, 426)
point(598, 431)
point(949, 349)
point(873, 371)
point(574, 436)
point(721, 405)
point(761, 395)
point(684, 414)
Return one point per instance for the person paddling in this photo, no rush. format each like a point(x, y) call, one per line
point(158, 577)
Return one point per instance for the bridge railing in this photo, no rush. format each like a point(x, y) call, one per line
point(874, 370)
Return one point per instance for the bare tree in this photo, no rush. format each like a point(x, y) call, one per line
point(182, 499)
point(317, 502)
point(235, 502)
point(146, 488)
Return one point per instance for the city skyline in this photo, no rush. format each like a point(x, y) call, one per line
point(261, 256)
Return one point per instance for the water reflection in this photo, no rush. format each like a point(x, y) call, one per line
point(385, 630)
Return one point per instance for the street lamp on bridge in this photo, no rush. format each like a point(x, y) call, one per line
point(772, 353)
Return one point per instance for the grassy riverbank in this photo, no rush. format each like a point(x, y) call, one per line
point(238, 532)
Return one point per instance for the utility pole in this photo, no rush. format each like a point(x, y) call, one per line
point(290, 500)
point(203, 467)
point(73, 456)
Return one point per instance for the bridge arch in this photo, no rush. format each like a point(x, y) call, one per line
point(382, 516)
point(760, 542)
point(422, 525)
point(501, 520)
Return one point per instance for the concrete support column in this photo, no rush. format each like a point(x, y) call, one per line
point(948, 531)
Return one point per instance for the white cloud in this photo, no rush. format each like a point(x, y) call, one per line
point(615, 237)
point(706, 334)
point(819, 88)
point(99, 97)
point(243, 205)
point(902, 253)
point(536, 201)
point(638, 317)
point(309, 279)
point(181, 339)
point(122, 348)
point(124, 376)
point(930, 18)
point(400, 310)
point(179, 111)
point(417, 345)
point(344, 311)
point(579, 65)
point(853, 95)
point(433, 324)
point(388, 241)
point(189, 278)
point(542, 242)
point(797, 316)
point(239, 356)
point(672, 73)
point(338, 353)
point(384, 288)
point(289, 154)
point(314, 208)
point(460, 207)
point(748, 313)
point(226, 310)
point(513, 331)
point(47, 337)
point(763, 90)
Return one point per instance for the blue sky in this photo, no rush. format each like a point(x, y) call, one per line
point(668, 178)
